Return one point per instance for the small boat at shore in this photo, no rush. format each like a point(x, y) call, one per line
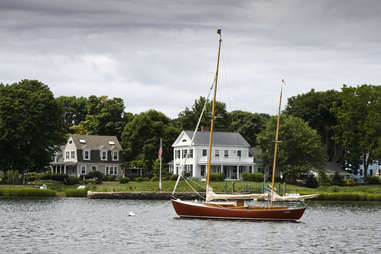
point(227, 209)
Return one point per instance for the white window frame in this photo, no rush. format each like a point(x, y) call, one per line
point(84, 154)
point(217, 153)
point(83, 167)
point(72, 154)
point(101, 155)
point(117, 155)
point(94, 166)
point(67, 155)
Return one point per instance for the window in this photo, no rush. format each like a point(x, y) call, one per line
point(202, 170)
point(115, 170)
point(184, 153)
point(204, 152)
point(111, 170)
point(94, 168)
point(67, 155)
point(107, 171)
point(104, 155)
point(115, 155)
point(73, 154)
point(239, 153)
point(177, 154)
point(86, 155)
point(360, 172)
point(70, 141)
point(83, 170)
point(226, 153)
point(191, 153)
point(371, 172)
point(217, 153)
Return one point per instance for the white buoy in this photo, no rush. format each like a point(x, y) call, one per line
point(131, 214)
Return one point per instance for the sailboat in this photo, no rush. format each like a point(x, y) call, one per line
point(234, 209)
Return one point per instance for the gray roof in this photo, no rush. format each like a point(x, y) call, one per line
point(95, 142)
point(219, 138)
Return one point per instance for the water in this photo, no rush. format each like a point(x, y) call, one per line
point(76, 225)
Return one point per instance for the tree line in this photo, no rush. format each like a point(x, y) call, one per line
point(316, 127)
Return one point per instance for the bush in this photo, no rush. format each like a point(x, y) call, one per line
point(76, 193)
point(95, 174)
point(109, 178)
point(372, 180)
point(46, 176)
point(124, 180)
point(324, 179)
point(217, 177)
point(26, 192)
point(155, 179)
point(174, 177)
point(71, 180)
point(32, 176)
point(146, 179)
point(337, 179)
point(12, 177)
point(311, 182)
point(253, 177)
point(139, 179)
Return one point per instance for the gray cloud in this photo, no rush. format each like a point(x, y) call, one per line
point(162, 54)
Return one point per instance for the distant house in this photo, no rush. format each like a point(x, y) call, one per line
point(374, 169)
point(85, 153)
point(230, 154)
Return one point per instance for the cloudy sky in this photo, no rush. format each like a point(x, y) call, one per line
point(161, 54)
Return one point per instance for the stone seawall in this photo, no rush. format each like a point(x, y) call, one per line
point(144, 195)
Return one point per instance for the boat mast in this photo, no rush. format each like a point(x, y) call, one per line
point(213, 103)
point(276, 144)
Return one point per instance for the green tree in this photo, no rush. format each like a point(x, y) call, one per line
point(31, 126)
point(141, 137)
point(75, 110)
point(299, 149)
point(249, 125)
point(188, 118)
point(358, 127)
point(315, 108)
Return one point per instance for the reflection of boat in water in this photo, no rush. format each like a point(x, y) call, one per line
point(236, 209)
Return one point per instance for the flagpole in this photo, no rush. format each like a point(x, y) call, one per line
point(161, 149)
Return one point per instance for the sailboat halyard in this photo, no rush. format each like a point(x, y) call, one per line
point(230, 210)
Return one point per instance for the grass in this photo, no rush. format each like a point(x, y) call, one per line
point(26, 192)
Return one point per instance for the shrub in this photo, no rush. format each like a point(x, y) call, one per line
point(71, 180)
point(311, 182)
point(372, 180)
point(155, 179)
point(59, 177)
point(174, 177)
point(217, 177)
point(124, 180)
point(109, 178)
point(32, 176)
point(146, 179)
point(337, 179)
point(324, 179)
point(254, 177)
point(26, 192)
point(76, 193)
point(12, 177)
point(139, 179)
point(46, 176)
point(95, 174)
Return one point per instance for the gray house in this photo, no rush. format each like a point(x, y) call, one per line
point(85, 153)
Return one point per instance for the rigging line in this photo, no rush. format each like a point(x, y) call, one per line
point(194, 134)
point(190, 185)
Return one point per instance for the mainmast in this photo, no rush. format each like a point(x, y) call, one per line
point(276, 144)
point(213, 104)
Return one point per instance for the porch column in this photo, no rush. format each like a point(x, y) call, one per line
point(65, 169)
point(237, 172)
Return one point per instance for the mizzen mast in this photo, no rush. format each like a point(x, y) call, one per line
point(213, 111)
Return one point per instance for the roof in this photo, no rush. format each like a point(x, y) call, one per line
point(219, 138)
point(95, 142)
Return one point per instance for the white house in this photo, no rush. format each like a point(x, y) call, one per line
point(230, 154)
point(374, 169)
point(85, 153)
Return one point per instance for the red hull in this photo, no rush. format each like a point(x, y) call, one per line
point(195, 210)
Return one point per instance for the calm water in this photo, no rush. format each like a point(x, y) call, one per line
point(72, 225)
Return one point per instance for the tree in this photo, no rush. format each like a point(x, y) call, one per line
point(31, 126)
point(188, 118)
point(315, 108)
point(141, 137)
point(75, 110)
point(104, 117)
point(249, 125)
point(299, 150)
point(358, 127)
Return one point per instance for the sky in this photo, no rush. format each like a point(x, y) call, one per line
point(161, 54)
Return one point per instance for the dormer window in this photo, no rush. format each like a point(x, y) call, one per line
point(86, 154)
point(115, 155)
point(70, 141)
point(67, 155)
point(184, 140)
point(104, 155)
